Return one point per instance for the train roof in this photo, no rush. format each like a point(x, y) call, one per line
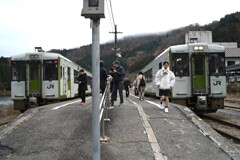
point(185, 48)
point(42, 56)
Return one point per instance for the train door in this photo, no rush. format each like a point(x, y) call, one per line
point(34, 79)
point(199, 80)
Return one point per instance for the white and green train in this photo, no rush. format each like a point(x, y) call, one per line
point(42, 77)
point(200, 75)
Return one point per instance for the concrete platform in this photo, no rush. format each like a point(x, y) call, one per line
point(138, 131)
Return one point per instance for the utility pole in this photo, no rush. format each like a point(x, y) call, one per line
point(94, 9)
point(115, 40)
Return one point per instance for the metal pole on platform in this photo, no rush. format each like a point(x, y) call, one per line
point(94, 9)
point(95, 90)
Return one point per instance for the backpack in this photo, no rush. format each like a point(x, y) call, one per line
point(142, 82)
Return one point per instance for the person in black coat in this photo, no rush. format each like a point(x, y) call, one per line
point(103, 77)
point(127, 85)
point(119, 74)
point(82, 87)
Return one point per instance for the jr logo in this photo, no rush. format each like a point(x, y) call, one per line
point(50, 86)
point(217, 83)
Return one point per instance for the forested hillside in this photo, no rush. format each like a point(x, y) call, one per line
point(139, 50)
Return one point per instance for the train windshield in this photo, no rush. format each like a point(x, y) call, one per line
point(50, 70)
point(18, 71)
point(217, 64)
point(180, 64)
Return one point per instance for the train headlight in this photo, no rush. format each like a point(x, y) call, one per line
point(198, 48)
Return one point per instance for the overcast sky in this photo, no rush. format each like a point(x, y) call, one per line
point(57, 24)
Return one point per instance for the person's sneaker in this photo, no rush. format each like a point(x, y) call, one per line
point(166, 109)
point(112, 104)
point(161, 106)
point(121, 104)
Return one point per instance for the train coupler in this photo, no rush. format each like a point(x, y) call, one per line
point(202, 102)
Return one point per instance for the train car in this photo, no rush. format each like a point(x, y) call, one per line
point(200, 75)
point(42, 77)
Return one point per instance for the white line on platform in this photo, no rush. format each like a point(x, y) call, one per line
point(64, 105)
point(151, 136)
point(158, 105)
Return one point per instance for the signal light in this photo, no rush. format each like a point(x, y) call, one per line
point(14, 62)
point(55, 62)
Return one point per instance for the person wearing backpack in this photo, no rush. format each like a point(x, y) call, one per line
point(141, 83)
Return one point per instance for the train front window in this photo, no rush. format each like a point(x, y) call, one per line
point(180, 64)
point(50, 70)
point(18, 71)
point(34, 71)
point(217, 64)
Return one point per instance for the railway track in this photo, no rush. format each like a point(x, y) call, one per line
point(226, 127)
point(232, 101)
point(233, 105)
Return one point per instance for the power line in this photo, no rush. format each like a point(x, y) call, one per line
point(112, 12)
point(109, 14)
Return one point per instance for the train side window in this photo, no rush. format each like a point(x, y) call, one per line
point(75, 76)
point(18, 71)
point(229, 63)
point(180, 64)
point(69, 73)
point(61, 72)
point(148, 75)
point(160, 65)
point(50, 70)
point(217, 64)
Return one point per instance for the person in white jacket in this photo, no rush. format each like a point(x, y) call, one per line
point(165, 79)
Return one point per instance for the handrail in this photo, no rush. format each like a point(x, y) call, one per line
point(105, 104)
